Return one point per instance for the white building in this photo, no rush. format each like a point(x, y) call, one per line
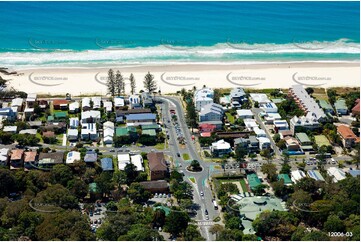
point(72, 134)
point(10, 129)
point(97, 102)
point(4, 153)
point(203, 97)
point(237, 96)
point(211, 112)
point(85, 104)
point(271, 117)
point(259, 97)
point(123, 160)
point(134, 101)
point(250, 124)
point(308, 122)
point(137, 160)
point(108, 106)
point(259, 132)
point(73, 123)
point(89, 131)
point(336, 173)
point(264, 143)
point(74, 107)
point(280, 125)
point(72, 156)
point(220, 148)
point(244, 114)
point(92, 116)
point(17, 103)
point(118, 102)
point(269, 107)
point(297, 175)
point(108, 132)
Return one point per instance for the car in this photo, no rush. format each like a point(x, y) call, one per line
point(112, 150)
point(100, 221)
point(178, 154)
point(95, 221)
point(206, 212)
point(207, 217)
point(91, 213)
point(97, 213)
point(156, 195)
point(202, 194)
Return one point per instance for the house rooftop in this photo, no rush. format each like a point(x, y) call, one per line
point(16, 154)
point(346, 132)
point(156, 161)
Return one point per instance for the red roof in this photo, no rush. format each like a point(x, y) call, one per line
point(206, 134)
point(356, 109)
point(346, 132)
point(59, 102)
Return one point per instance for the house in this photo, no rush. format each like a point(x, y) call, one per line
point(270, 118)
point(354, 173)
point(72, 134)
point(297, 175)
point(306, 143)
point(259, 97)
point(286, 179)
point(30, 100)
point(244, 114)
point(326, 106)
point(72, 156)
point(60, 104)
point(356, 109)
point(253, 181)
point(316, 175)
point(292, 144)
point(285, 133)
point(108, 134)
point(108, 106)
point(140, 119)
point(160, 186)
point(74, 107)
point(16, 159)
point(269, 107)
point(250, 123)
point(43, 104)
point(120, 114)
point(30, 160)
point(74, 123)
point(90, 156)
point(220, 148)
point(238, 97)
point(157, 165)
point(259, 132)
point(203, 97)
point(50, 159)
point(306, 102)
point(211, 112)
point(218, 124)
point(123, 160)
point(134, 101)
point(85, 104)
point(341, 107)
point(17, 104)
point(7, 113)
point(280, 125)
point(107, 164)
point(49, 134)
point(264, 143)
point(108, 125)
point(35, 124)
point(336, 173)
point(150, 132)
point(28, 131)
point(251, 144)
point(137, 161)
point(147, 100)
point(97, 102)
point(156, 127)
point(92, 116)
point(10, 129)
point(349, 139)
point(206, 128)
point(118, 102)
point(4, 156)
point(28, 112)
point(308, 122)
point(127, 131)
point(89, 131)
point(60, 116)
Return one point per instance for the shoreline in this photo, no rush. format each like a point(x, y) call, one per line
point(172, 78)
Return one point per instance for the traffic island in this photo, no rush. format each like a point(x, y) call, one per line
point(195, 166)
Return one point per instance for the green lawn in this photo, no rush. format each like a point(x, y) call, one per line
point(146, 169)
point(160, 146)
point(230, 118)
point(186, 156)
point(243, 185)
point(321, 140)
point(192, 179)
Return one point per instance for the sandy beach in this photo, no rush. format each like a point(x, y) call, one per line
point(171, 78)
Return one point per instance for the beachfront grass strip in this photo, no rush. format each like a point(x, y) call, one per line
point(321, 140)
point(186, 156)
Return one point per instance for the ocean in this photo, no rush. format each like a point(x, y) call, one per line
point(111, 33)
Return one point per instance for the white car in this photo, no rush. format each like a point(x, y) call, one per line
point(202, 194)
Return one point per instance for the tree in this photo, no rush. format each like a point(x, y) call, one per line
point(137, 193)
point(57, 197)
point(176, 222)
point(130, 172)
point(111, 83)
point(132, 83)
point(309, 90)
point(3, 83)
point(27, 139)
point(61, 174)
point(271, 171)
point(216, 229)
point(149, 83)
point(7, 182)
point(334, 224)
point(233, 223)
point(195, 166)
point(315, 236)
point(230, 235)
point(119, 83)
point(140, 232)
point(105, 183)
point(192, 233)
point(241, 152)
point(158, 218)
point(256, 104)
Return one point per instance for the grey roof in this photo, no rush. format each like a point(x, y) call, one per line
point(237, 92)
point(212, 108)
point(90, 156)
point(308, 101)
point(140, 116)
point(107, 164)
point(340, 104)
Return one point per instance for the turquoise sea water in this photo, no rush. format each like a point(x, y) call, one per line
point(85, 33)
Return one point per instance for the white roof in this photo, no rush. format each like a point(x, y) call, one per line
point(10, 128)
point(74, 105)
point(297, 175)
point(4, 154)
point(337, 173)
point(31, 97)
point(72, 156)
point(16, 102)
point(74, 122)
point(118, 102)
point(108, 132)
point(244, 112)
point(85, 102)
point(96, 102)
point(221, 145)
point(204, 94)
point(28, 131)
point(92, 113)
point(108, 106)
point(264, 140)
point(280, 123)
point(123, 160)
point(137, 160)
point(28, 110)
point(108, 124)
point(272, 116)
point(211, 108)
point(259, 131)
point(250, 123)
point(259, 97)
point(88, 128)
point(72, 132)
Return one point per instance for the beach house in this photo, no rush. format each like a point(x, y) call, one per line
point(72, 156)
point(157, 165)
point(202, 97)
point(74, 107)
point(211, 112)
point(85, 104)
point(97, 102)
point(140, 119)
point(341, 107)
point(238, 97)
point(16, 159)
point(349, 139)
point(220, 148)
